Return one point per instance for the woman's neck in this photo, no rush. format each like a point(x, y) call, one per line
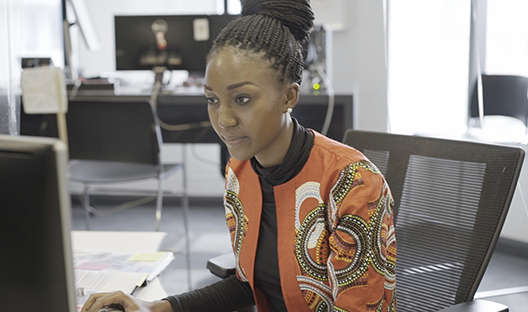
point(275, 153)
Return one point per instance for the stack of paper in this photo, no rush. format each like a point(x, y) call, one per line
point(105, 272)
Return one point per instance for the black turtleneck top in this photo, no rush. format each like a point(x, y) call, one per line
point(231, 294)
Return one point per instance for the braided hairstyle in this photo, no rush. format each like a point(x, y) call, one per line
point(276, 28)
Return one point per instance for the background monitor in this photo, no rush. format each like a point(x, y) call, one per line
point(36, 266)
point(177, 42)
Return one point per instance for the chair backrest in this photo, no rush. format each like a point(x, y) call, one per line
point(451, 201)
point(113, 129)
point(504, 95)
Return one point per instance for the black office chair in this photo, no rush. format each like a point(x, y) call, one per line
point(451, 202)
point(118, 140)
point(503, 95)
point(451, 198)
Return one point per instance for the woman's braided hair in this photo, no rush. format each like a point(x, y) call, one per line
point(276, 28)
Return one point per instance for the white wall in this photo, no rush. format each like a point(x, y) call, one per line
point(103, 60)
point(359, 57)
point(360, 66)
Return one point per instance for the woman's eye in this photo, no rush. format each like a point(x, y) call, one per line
point(242, 99)
point(211, 100)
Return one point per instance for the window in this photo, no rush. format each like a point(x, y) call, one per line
point(428, 53)
point(507, 37)
point(30, 28)
point(234, 7)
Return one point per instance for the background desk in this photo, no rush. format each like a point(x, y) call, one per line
point(127, 243)
point(182, 108)
point(177, 108)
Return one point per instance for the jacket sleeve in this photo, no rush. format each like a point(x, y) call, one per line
point(226, 295)
point(361, 264)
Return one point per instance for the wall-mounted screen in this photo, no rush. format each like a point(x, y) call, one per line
point(177, 42)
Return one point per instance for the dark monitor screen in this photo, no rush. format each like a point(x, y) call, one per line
point(35, 224)
point(178, 42)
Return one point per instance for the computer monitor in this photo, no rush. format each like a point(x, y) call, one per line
point(177, 42)
point(36, 266)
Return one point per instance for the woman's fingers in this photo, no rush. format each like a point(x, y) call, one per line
point(101, 300)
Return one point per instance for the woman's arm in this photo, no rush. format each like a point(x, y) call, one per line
point(229, 294)
point(226, 295)
point(362, 241)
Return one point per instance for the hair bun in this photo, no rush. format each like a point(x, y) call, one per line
point(297, 15)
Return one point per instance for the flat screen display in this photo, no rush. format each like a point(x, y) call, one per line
point(177, 42)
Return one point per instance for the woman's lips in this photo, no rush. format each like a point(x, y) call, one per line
point(234, 140)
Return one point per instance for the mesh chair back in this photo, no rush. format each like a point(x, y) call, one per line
point(113, 130)
point(503, 95)
point(451, 201)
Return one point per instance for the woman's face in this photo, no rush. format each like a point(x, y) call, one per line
point(247, 106)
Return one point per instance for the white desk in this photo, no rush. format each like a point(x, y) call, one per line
point(124, 242)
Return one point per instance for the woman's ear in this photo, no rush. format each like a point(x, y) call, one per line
point(292, 95)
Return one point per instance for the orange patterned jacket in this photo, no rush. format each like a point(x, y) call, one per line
point(336, 242)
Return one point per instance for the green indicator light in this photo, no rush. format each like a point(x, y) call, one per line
point(316, 86)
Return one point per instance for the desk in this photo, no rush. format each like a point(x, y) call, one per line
point(184, 108)
point(177, 108)
point(124, 242)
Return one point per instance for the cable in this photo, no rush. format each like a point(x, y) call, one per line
point(76, 86)
point(158, 83)
point(331, 99)
point(184, 127)
point(480, 94)
point(204, 160)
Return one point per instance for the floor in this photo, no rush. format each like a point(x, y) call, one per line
point(505, 281)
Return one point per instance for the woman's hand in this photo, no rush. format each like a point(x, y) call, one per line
point(126, 302)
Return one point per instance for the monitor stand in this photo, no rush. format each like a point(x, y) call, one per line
point(159, 72)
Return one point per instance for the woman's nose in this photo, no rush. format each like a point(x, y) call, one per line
point(226, 116)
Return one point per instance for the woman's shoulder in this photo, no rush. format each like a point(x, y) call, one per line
point(329, 148)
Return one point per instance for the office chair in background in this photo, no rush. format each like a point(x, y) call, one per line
point(113, 141)
point(116, 140)
point(451, 199)
point(502, 95)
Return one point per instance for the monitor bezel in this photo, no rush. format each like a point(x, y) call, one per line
point(57, 152)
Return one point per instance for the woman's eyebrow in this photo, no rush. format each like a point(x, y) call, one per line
point(233, 86)
point(240, 84)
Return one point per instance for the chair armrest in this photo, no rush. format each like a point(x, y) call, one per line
point(223, 265)
point(477, 306)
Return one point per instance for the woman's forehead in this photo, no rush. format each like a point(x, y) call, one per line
point(243, 56)
point(238, 62)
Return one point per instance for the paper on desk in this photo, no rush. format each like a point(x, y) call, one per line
point(92, 282)
point(101, 281)
point(151, 263)
point(146, 256)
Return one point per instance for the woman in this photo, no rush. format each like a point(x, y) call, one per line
point(310, 218)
